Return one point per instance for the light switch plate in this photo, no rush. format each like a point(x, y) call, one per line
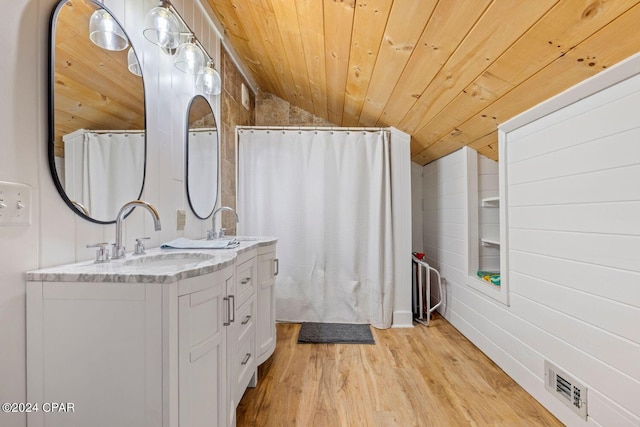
point(15, 203)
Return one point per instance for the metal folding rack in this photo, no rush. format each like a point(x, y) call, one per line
point(422, 291)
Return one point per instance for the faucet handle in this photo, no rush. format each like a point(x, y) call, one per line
point(102, 253)
point(211, 234)
point(117, 253)
point(221, 233)
point(139, 248)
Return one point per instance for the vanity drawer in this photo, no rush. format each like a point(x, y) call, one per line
point(246, 277)
point(245, 363)
point(245, 319)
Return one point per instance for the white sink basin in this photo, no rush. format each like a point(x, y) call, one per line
point(168, 260)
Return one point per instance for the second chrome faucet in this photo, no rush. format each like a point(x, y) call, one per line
point(212, 234)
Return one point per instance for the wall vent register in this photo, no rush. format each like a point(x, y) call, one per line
point(566, 388)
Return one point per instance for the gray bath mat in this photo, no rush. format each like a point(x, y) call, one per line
point(335, 333)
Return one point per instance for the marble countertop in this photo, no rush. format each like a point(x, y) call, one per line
point(135, 269)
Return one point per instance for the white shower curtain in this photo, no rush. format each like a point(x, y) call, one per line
point(103, 171)
point(326, 195)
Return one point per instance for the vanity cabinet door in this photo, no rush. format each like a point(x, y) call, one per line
point(97, 347)
point(266, 306)
point(202, 358)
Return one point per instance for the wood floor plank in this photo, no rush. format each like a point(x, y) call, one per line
point(425, 376)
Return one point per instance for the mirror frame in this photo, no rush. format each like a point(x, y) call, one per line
point(186, 157)
point(51, 113)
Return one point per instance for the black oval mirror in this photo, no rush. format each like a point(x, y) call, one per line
point(97, 141)
point(202, 158)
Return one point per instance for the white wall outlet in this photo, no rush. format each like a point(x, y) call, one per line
point(15, 203)
point(181, 219)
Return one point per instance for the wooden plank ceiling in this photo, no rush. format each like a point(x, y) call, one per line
point(445, 71)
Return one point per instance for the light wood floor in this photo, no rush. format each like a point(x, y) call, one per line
point(425, 376)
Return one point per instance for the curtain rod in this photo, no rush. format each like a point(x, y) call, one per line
point(113, 131)
point(335, 128)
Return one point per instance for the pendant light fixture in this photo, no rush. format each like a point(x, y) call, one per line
point(209, 80)
point(189, 57)
point(162, 27)
point(105, 32)
point(133, 64)
point(166, 28)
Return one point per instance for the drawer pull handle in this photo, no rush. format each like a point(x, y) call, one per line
point(228, 319)
point(245, 281)
point(232, 299)
point(246, 319)
point(276, 263)
point(246, 359)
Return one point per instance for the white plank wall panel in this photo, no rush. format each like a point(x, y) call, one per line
point(613, 108)
point(582, 188)
point(622, 217)
point(611, 315)
point(587, 157)
point(573, 203)
point(620, 285)
point(573, 245)
point(596, 344)
point(617, 251)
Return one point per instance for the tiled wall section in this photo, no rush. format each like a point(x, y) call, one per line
point(273, 111)
point(233, 114)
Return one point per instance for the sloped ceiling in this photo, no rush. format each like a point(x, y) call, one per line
point(445, 71)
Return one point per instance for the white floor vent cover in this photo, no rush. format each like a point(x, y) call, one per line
point(566, 388)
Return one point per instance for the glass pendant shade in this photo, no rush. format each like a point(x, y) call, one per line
point(209, 80)
point(105, 32)
point(162, 28)
point(189, 58)
point(133, 64)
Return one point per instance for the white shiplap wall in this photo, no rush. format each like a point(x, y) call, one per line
point(573, 211)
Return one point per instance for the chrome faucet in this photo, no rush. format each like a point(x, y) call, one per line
point(118, 248)
point(211, 234)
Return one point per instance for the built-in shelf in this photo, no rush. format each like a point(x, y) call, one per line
point(489, 242)
point(490, 202)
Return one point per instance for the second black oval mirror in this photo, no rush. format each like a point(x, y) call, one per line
point(202, 158)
